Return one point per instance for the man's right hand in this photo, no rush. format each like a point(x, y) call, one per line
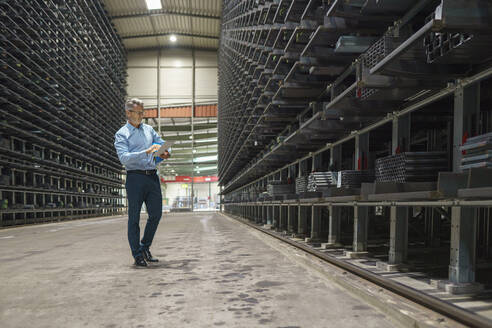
point(152, 149)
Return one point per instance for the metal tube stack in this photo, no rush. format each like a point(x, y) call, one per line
point(279, 188)
point(411, 167)
point(301, 184)
point(319, 181)
point(477, 152)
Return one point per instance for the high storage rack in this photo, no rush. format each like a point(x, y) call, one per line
point(336, 86)
point(62, 90)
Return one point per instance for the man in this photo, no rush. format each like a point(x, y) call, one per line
point(135, 142)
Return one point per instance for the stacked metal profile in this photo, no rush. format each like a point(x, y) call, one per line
point(319, 181)
point(354, 178)
point(477, 152)
point(301, 184)
point(62, 91)
point(263, 196)
point(411, 167)
point(279, 188)
point(455, 46)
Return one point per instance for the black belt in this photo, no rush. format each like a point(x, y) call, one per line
point(144, 172)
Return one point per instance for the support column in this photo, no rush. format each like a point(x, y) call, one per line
point(302, 222)
point(335, 158)
point(398, 238)
point(433, 228)
point(361, 213)
point(463, 242)
point(465, 119)
point(269, 214)
point(317, 163)
point(291, 215)
point(276, 216)
point(359, 246)
point(315, 223)
point(462, 264)
point(398, 234)
point(400, 139)
point(283, 218)
point(264, 214)
point(361, 151)
point(291, 173)
point(335, 214)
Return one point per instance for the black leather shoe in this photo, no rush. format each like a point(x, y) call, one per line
point(140, 261)
point(148, 257)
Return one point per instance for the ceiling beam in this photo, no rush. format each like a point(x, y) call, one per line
point(128, 37)
point(163, 13)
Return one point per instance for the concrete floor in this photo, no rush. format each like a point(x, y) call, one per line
point(213, 272)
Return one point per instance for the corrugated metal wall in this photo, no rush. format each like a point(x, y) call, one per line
point(176, 77)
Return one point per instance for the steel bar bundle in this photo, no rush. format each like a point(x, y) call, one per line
point(411, 167)
point(301, 184)
point(279, 188)
point(319, 181)
point(354, 178)
point(477, 152)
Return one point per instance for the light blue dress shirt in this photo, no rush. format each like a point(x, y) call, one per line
point(131, 144)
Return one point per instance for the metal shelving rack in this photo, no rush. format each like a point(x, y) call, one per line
point(62, 90)
point(309, 86)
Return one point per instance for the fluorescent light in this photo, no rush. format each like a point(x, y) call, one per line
point(208, 168)
point(205, 158)
point(173, 38)
point(153, 4)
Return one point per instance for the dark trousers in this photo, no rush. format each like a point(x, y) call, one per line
point(143, 188)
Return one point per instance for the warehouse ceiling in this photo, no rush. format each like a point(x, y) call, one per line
point(194, 23)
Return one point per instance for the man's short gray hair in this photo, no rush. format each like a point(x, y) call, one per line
point(132, 102)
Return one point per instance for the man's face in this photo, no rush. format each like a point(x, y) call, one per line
point(135, 115)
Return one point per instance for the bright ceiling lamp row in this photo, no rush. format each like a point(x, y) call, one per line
point(156, 5)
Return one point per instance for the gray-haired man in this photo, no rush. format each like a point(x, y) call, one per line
point(135, 142)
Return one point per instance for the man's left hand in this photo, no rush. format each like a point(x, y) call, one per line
point(165, 155)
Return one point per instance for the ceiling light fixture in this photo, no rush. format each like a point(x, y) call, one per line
point(153, 4)
point(173, 38)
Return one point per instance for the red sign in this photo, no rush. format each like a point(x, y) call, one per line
point(187, 179)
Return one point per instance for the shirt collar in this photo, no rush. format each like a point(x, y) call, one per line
point(132, 128)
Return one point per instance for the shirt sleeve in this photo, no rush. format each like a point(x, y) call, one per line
point(125, 156)
point(157, 139)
